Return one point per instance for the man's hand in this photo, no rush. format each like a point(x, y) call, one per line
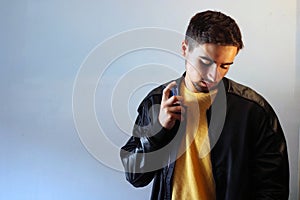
point(171, 109)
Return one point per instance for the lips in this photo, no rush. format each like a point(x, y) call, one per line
point(207, 84)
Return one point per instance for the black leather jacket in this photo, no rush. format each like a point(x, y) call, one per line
point(249, 156)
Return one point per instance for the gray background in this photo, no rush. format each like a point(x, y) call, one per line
point(43, 44)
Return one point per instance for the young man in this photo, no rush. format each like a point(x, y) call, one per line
point(212, 138)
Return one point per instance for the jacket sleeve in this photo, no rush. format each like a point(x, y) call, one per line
point(142, 156)
point(271, 167)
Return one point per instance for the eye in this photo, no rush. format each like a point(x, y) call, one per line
point(225, 66)
point(206, 62)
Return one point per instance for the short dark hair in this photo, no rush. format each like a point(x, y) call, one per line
point(213, 27)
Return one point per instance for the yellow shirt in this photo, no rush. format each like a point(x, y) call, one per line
point(193, 178)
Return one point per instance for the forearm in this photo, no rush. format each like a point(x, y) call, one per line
point(132, 160)
point(143, 156)
point(271, 171)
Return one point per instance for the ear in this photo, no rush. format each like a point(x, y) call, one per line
point(184, 47)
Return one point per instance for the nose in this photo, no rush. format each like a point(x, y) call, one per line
point(212, 73)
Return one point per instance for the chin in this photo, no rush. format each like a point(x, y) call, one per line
point(200, 88)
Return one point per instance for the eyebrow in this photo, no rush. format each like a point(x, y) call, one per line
point(206, 58)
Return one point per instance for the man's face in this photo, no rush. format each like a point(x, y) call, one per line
point(206, 65)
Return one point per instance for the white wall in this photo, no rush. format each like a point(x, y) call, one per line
point(297, 75)
point(44, 43)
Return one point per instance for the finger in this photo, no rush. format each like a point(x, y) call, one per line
point(176, 116)
point(177, 109)
point(174, 100)
point(166, 91)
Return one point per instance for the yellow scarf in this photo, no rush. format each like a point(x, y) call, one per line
point(193, 178)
